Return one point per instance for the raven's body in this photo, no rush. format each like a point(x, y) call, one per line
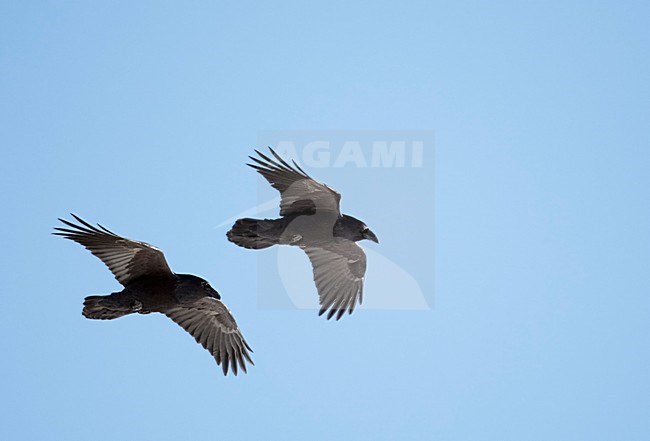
point(299, 230)
point(151, 286)
point(149, 294)
point(311, 220)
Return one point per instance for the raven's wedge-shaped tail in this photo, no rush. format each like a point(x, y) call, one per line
point(257, 233)
point(109, 307)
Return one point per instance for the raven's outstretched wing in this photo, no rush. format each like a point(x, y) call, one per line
point(339, 270)
point(212, 325)
point(300, 194)
point(127, 259)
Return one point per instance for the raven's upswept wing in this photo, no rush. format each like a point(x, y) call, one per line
point(299, 193)
point(127, 259)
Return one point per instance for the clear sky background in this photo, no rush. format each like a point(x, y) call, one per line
point(140, 115)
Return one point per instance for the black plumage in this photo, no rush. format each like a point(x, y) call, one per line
point(151, 286)
point(312, 220)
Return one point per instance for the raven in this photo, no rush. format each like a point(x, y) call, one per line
point(151, 286)
point(312, 220)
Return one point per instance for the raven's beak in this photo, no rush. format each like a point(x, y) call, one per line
point(370, 236)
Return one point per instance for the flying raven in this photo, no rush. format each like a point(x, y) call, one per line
point(151, 286)
point(312, 220)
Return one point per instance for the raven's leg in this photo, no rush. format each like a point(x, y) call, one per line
point(110, 307)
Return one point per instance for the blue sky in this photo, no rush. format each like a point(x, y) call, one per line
point(140, 117)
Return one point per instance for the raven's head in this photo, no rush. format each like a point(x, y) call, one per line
point(198, 285)
point(356, 230)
